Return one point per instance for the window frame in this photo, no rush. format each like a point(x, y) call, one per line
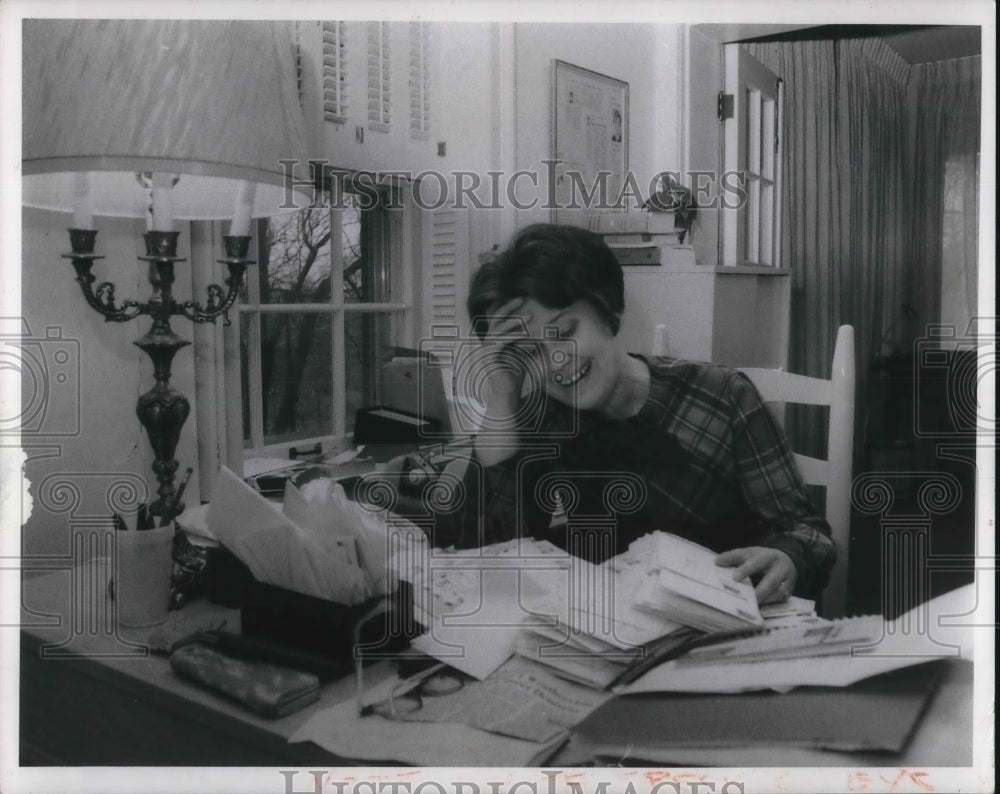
point(397, 236)
point(750, 235)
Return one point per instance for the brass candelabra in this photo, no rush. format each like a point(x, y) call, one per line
point(162, 410)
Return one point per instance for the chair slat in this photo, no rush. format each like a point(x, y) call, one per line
point(813, 470)
point(834, 473)
point(786, 387)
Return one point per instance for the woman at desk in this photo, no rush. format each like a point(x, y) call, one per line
point(575, 425)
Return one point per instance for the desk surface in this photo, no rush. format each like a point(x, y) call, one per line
point(91, 694)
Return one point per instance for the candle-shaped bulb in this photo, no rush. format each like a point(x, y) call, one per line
point(163, 220)
point(83, 203)
point(243, 209)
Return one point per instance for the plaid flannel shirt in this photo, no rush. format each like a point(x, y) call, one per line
point(703, 459)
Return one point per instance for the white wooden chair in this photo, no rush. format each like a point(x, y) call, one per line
point(834, 473)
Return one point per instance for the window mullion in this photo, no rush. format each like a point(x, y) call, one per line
point(255, 381)
point(254, 341)
point(337, 341)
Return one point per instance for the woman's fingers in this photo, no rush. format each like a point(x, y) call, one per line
point(771, 586)
point(509, 327)
point(731, 558)
point(507, 320)
point(746, 561)
point(772, 570)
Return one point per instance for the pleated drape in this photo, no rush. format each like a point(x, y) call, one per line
point(865, 136)
point(946, 98)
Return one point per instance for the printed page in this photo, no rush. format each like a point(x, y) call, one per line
point(521, 699)
point(341, 731)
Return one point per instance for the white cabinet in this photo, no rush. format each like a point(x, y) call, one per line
point(729, 315)
point(715, 310)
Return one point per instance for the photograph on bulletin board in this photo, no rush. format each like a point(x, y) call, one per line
point(589, 141)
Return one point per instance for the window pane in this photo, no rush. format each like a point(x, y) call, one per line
point(296, 376)
point(366, 263)
point(766, 224)
point(751, 238)
point(369, 339)
point(294, 264)
point(767, 139)
point(753, 130)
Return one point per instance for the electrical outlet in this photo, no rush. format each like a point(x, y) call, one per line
point(359, 133)
point(442, 149)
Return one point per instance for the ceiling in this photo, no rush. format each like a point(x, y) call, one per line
point(939, 43)
point(914, 43)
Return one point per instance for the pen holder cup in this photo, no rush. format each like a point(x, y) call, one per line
point(142, 580)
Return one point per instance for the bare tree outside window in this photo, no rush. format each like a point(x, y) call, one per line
point(297, 347)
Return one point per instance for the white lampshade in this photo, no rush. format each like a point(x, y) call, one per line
point(215, 102)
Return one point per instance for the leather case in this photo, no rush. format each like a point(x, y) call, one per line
point(265, 688)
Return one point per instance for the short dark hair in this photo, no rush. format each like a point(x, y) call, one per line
point(554, 265)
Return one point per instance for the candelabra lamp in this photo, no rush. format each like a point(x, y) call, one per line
point(162, 120)
point(162, 410)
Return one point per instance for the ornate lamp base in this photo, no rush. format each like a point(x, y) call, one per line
point(162, 410)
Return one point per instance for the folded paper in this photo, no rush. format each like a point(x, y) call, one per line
point(320, 561)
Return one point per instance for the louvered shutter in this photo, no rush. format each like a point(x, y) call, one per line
point(335, 72)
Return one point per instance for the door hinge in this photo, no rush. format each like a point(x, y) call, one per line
point(726, 107)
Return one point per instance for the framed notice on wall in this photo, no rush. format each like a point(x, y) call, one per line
point(589, 141)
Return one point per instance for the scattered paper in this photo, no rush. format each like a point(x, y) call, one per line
point(791, 607)
point(689, 585)
point(521, 699)
point(194, 523)
point(480, 630)
point(473, 602)
point(381, 536)
point(341, 731)
point(932, 630)
point(279, 552)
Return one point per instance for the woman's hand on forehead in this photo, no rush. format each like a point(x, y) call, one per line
point(506, 320)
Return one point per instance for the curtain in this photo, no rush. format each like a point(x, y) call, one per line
point(847, 211)
point(945, 98)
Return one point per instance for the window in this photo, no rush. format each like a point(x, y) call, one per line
point(751, 231)
point(959, 241)
point(317, 321)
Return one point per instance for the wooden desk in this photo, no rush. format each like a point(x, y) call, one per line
point(90, 696)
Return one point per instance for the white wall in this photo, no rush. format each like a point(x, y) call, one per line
point(113, 372)
point(460, 111)
point(647, 57)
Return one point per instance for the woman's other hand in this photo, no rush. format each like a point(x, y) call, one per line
point(772, 571)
